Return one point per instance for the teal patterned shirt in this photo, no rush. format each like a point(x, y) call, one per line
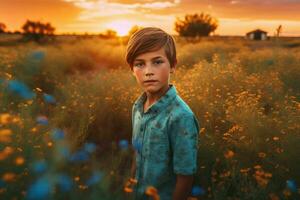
point(166, 140)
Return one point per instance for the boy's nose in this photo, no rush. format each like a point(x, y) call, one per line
point(148, 70)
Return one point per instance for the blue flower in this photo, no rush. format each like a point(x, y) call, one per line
point(43, 120)
point(95, 178)
point(40, 189)
point(64, 182)
point(37, 55)
point(291, 184)
point(49, 98)
point(197, 190)
point(63, 151)
point(90, 147)
point(57, 134)
point(21, 89)
point(2, 184)
point(39, 166)
point(79, 156)
point(137, 145)
point(123, 144)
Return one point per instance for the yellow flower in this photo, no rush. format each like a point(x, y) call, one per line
point(152, 191)
point(229, 154)
point(5, 135)
point(8, 177)
point(19, 160)
point(5, 118)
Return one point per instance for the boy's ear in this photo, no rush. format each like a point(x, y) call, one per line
point(173, 67)
point(172, 70)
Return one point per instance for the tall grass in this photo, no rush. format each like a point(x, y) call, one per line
point(244, 94)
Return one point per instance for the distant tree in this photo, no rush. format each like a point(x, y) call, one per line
point(133, 29)
point(108, 34)
point(2, 27)
point(35, 30)
point(194, 25)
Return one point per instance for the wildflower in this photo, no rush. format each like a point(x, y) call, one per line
point(43, 120)
point(291, 185)
point(21, 89)
point(229, 154)
point(49, 98)
point(261, 154)
point(6, 152)
point(64, 182)
point(49, 144)
point(77, 178)
point(79, 156)
point(63, 151)
point(40, 189)
point(152, 191)
point(89, 147)
point(123, 144)
point(2, 184)
point(197, 190)
point(128, 190)
point(57, 134)
point(95, 178)
point(40, 166)
point(19, 160)
point(8, 176)
point(5, 135)
point(5, 118)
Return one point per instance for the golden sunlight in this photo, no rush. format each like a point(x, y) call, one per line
point(122, 27)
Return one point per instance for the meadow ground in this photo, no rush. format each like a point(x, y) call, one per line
point(65, 117)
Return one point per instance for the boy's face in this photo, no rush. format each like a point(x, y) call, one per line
point(152, 70)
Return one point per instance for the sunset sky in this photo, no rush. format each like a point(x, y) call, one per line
point(236, 17)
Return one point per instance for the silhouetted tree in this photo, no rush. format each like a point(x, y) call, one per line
point(108, 34)
point(194, 25)
point(2, 27)
point(133, 30)
point(38, 31)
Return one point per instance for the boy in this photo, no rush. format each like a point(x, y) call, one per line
point(165, 130)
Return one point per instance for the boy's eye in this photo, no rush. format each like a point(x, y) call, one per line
point(138, 65)
point(157, 62)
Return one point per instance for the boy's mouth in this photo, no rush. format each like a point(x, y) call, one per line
point(150, 81)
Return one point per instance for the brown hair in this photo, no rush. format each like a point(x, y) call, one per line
point(150, 39)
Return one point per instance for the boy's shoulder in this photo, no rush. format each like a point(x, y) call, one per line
point(180, 108)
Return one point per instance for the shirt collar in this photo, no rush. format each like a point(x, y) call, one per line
point(160, 104)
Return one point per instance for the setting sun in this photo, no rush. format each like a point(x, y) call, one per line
point(122, 27)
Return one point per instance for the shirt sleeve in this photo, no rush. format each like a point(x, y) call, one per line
point(184, 141)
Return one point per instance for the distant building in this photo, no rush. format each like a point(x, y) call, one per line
point(257, 35)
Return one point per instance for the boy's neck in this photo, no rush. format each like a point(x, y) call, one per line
point(151, 98)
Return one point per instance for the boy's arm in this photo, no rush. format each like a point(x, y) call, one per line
point(183, 187)
point(184, 137)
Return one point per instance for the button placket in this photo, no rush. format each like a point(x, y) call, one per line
point(145, 118)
